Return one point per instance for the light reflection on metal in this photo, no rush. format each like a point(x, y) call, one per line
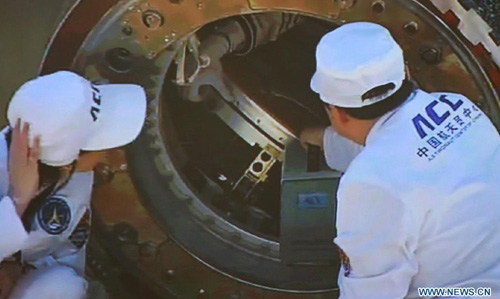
point(257, 171)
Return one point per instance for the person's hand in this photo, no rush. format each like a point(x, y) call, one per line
point(23, 167)
point(312, 136)
point(10, 272)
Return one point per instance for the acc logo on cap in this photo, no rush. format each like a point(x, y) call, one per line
point(54, 215)
point(95, 110)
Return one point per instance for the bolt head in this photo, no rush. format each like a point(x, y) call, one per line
point(431, 55)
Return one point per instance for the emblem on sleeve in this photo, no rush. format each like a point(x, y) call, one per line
point(81, 233)
point(344, 261)
point(54, 215)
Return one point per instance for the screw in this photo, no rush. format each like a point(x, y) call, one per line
point(411, 27)
point(152, 19)
point(378, 6)
point(431, 55)
point(127, 30)
point(200, 5)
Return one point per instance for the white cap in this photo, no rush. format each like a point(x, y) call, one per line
point(71, 114)
point(354, 59)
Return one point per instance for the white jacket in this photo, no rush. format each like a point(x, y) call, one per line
point(419, 206)
point(61, 226)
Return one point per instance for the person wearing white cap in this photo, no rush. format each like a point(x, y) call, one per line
point(60, 127)
point(418, 203)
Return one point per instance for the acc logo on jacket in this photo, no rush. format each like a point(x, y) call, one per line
point(54, 215)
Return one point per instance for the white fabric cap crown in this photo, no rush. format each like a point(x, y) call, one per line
point(354, 59)
point(71, 114)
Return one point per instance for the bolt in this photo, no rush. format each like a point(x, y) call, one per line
point(152, 19)
point(411, 27)
point(431, 55)
point(123, 166)
point(119, 59)
point(346, 4)
point(200, 5)
point(127, 30)
point(378, 6)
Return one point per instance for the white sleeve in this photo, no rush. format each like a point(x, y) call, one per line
point(12, 232)
point(378, 236)
point(75, 260)
point(339, 151)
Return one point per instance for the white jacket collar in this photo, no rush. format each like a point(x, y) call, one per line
point(375, 130)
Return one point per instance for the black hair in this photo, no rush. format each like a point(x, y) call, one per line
point(49, 177)
point(378, 109)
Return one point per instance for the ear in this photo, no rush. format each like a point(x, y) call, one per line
point(340, 114)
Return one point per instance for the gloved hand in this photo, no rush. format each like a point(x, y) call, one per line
point(312, 136)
